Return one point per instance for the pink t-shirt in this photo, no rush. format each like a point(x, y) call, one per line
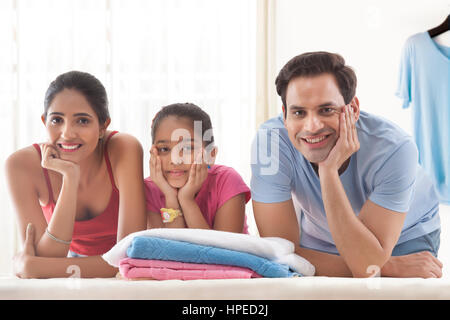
point(222, 184)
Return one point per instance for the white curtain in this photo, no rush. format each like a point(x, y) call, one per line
point(147, 54)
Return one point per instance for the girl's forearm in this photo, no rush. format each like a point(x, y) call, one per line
point(192, 215)
point(173, 203)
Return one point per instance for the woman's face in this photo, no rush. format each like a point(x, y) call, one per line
point(177, 147)
point(73, 126)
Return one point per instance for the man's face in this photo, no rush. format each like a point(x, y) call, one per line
point(313, 107)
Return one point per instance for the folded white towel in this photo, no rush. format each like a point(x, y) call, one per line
point(273, 248)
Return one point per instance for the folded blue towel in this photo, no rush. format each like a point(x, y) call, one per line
point(164, 249)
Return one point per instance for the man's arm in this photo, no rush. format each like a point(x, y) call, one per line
point(279, 220)
point(369, 240)
point(362, 241)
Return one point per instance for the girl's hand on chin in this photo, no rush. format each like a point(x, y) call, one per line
point(157, 175)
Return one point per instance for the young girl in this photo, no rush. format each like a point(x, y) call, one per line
point(185, 189)
point(82, 190)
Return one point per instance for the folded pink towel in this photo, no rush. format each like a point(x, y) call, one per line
point(174, 270)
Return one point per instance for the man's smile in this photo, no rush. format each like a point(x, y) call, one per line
point(315, 141)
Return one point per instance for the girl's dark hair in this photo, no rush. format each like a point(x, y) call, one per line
point(183, 110)
point(315, 63)
point(88, 85)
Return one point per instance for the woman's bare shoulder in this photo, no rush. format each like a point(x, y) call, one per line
point(122, 144)
point(126, 156)
point(24, 159)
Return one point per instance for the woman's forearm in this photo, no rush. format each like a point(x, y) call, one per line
point(62, 222)
point(85, 267)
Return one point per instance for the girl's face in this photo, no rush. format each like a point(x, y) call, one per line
point(73, 126)
point(178, 146)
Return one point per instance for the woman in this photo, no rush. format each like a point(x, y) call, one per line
point(82, 190)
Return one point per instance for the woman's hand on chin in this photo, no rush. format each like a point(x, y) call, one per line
point(51, 160)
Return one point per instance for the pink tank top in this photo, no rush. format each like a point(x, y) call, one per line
point(99, 234)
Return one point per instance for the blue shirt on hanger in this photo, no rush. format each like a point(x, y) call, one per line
point(424, 84)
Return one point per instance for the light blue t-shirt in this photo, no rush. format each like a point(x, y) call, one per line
point(385, 170)
point(424, 84)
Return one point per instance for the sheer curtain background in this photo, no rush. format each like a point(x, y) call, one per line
point(146, 53)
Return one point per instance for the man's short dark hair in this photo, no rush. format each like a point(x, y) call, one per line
point(311, 64)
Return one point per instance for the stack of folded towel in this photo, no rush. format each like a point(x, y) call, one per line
point(188, 254)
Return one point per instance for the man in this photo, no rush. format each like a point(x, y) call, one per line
point(343, 185)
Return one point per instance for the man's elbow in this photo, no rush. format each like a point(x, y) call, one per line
point(371, 267)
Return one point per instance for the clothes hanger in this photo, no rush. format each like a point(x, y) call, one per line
point(443, 27)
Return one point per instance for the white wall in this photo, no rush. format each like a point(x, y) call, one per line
point(368, 34)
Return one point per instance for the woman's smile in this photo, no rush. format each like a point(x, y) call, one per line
point(69, 147)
